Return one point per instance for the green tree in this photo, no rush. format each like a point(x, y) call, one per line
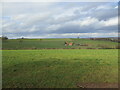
point(4, 38)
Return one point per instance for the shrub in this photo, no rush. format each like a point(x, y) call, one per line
point(4, 37)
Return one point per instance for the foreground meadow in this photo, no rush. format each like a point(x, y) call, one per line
point(74, 68)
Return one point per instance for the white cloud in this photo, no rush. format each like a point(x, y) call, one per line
point(67, 35)
point(88, 21)
point(32, 29)
point(19, 17)
point(111, 21)
point(116, 7)
point(53, 27)
point(56, 18)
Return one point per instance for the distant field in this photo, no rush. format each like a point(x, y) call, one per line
point(59, 68)
point(56, 43)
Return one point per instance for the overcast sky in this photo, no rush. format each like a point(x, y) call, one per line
point(60, 19)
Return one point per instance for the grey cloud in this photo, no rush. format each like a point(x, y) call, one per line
point(58, 18)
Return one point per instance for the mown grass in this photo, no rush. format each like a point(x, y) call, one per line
point(58, 68)
point(55, 43)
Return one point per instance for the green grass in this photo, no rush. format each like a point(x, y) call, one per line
point(55, 43)
point(58, 68)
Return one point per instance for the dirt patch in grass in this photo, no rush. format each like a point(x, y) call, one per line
point(97, 85)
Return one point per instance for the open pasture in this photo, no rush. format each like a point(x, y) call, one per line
point(57, 44)
point(60, 68)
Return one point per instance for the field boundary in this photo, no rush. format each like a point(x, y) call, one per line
point(55, 48)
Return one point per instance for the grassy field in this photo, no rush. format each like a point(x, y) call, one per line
point(55, 43)
point(58, 68)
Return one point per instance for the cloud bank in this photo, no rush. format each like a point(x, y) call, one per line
point(60, 19)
